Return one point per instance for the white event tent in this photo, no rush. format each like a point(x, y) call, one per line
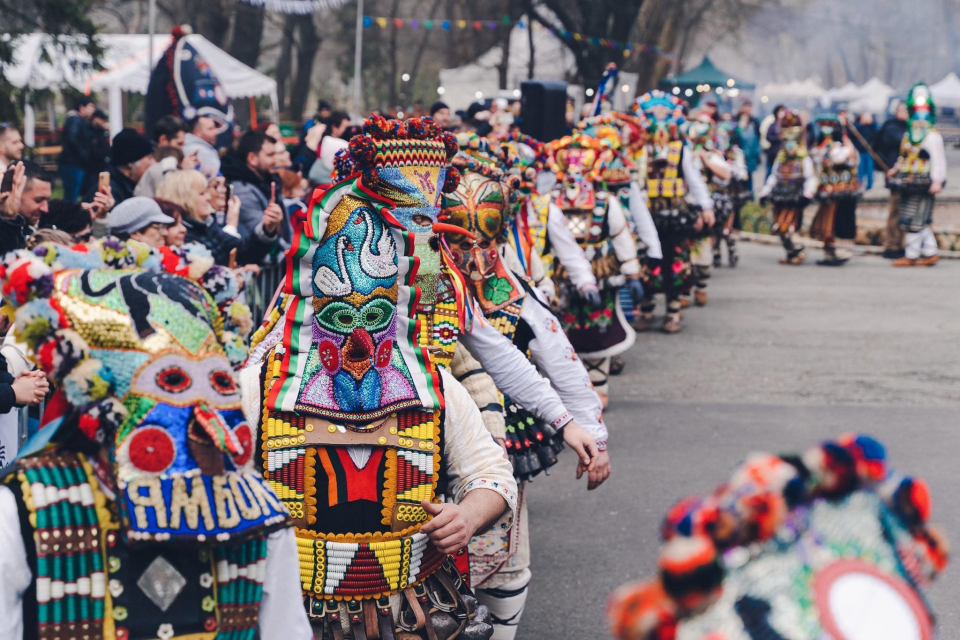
point(42, 62)
point(946, 93)
point(798, 90)
point(873, 96)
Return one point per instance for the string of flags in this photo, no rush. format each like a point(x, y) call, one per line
point(628, 48)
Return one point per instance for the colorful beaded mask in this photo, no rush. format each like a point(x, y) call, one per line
point(698, 131)
point(826, 544)
point(663, 115)
point(351, 353)
point(481, 205)
point(791, 134)
point(139, 365)
point(828, 126)
point(922, 112)
point(725, 135)
point(579, 162)
point(617, 170)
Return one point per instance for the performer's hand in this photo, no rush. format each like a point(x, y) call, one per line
point(450, 529)
point(892, 172)
point(935, 188)
point(698, 225)
point(600, 472)
point(591, 295)
point(708, 217)
point(583, 444)
point(635, 287)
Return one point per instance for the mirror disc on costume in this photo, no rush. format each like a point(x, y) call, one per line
point(151, 449)
point(857, 601)
point(245, 438)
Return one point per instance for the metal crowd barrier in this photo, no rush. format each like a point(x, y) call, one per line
point(259, 289)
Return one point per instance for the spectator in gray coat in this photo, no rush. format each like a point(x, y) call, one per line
point(201, 140)
point(250, 171)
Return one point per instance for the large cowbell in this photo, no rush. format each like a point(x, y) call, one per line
point(183, 84)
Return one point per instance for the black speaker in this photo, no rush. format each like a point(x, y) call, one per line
point(543, 107)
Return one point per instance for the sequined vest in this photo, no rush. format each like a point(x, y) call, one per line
point(837, 180)
point(539, 232)
point(788, 189)
point(664, 179)
point(89, 583)
point(913, 174)
point(591, 229)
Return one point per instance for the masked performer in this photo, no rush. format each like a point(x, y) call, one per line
point(729, 200)
point(679, 202)
point(600, 226)
point(717, 174)
point(790, 187)
point(350, 363)
point(826, 544)
point(836, 160)
point(135, 512)
point(481, 205)
point(918, 176)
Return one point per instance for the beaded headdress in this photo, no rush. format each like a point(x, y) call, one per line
point(137, 359)
point(793, 546)
point(922, 112)
point(580, 162)
point(661, 112)
point(350, 352)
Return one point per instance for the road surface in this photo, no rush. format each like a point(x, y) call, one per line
point(781, 358)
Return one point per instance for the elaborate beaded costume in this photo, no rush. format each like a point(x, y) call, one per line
point(729, 199)
point(670, 181)
point(920, 173)
point(353, 411)
point(827, 544)
point(837, 160)
point(791, 186)
point(598, 222)
point(137, 494)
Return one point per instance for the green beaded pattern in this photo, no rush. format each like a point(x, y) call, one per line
point(70, 574)
point(239, 597)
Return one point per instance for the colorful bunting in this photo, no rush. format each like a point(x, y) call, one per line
point(628, 48)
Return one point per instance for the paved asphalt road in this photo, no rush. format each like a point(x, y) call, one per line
point(781, 358)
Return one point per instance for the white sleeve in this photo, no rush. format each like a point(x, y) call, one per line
point(513, 374)
point(643, 224)
point(770, 183)
point(473, 460)
point(933, 143)
point(13, 565)
point(622, 238)
point(739, 166)
point(567, 251)
point(720, 168)
point(841, 154)
point(281, 610)
point(558, 360)
point(696, 186)
point(810, 180)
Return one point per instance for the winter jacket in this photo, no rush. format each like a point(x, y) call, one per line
point(867, 132)
point(147, 187)
point(254, 191)
point(75, 141)
point(13, 235)
point(8, 398)
point(251, 247)
point(121, 187)
point(888, 139)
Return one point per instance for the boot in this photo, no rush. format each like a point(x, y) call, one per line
point(833, 257)
point(906, 262)
point(643, 321)
point(671, 323)
point(733, 257)
point(929, 261)
point(700, 297)
point(616, 365)
point(795, 258)
point(685, 302)
point(717, 260)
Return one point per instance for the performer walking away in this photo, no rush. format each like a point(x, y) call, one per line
point(837, 161)
point(481, 206)
point(918, 176)
point(717, 174)
point(729, 201)
point(600, 226)
point(791, 186)
point(679, 202)
point(134, 512)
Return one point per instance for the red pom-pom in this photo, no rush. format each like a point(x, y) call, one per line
point(451, 180)
point(89, 425)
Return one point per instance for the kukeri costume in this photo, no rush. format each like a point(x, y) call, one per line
point(135, 512)
point(359, 423)
point(921, 171)
point(600, 226)
point(827, 544)
point(482, 204)
point(836, 160)
point(730, 199)
point(790, 187)
point(676, 194)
